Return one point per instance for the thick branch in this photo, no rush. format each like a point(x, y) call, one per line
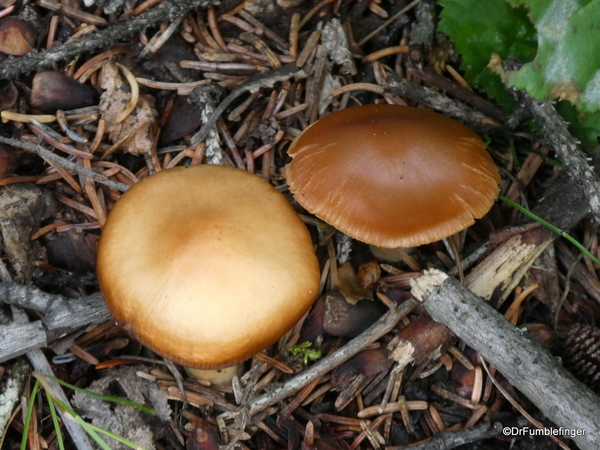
point(58, 311)
point(524, 363)
point(17, 339)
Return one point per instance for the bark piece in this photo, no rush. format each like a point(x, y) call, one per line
point(8, 94)
point(74, 251)
point(203, 437)
point(420, 341)
point(8, 160)
point(367, 363)
point(348, 284)
point(183, 120)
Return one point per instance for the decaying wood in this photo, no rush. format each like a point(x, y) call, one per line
point(501, 271)
point(17, 339)
point(15, 381)
point(524, 363)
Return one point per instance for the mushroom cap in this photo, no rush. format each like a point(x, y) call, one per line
point(206, 265)
point(392, 176)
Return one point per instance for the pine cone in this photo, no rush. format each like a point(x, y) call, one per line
point(581, 354)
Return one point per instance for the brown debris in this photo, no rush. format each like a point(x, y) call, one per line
point(183, 120)
point(424, 339)
point(16, 36)
point(56, 90)
point(136, 132)
point(344, 319)
point(22, 208)
point(74, 251)
point(8, 161)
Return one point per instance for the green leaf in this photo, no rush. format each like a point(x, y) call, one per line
point(479, 28)
point(307, 353)
point(584, 126)
point(567, 64)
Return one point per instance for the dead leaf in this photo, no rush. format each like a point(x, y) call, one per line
point(349, 285)
point(22, 208)
point(138, 129)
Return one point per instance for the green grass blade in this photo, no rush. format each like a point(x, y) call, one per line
point(121, 439)
point(551, 227)
point(86, 426)
point(59, 439)
point(107, 398)
point(34, 391)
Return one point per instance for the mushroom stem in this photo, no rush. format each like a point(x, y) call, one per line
point(395, 254)
point(220, 377)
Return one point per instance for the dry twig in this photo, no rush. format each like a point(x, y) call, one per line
point(383, 326)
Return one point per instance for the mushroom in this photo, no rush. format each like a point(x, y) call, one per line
point(206, 265)
point(392, 176)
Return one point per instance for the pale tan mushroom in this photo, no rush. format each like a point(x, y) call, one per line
point(206, 265)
